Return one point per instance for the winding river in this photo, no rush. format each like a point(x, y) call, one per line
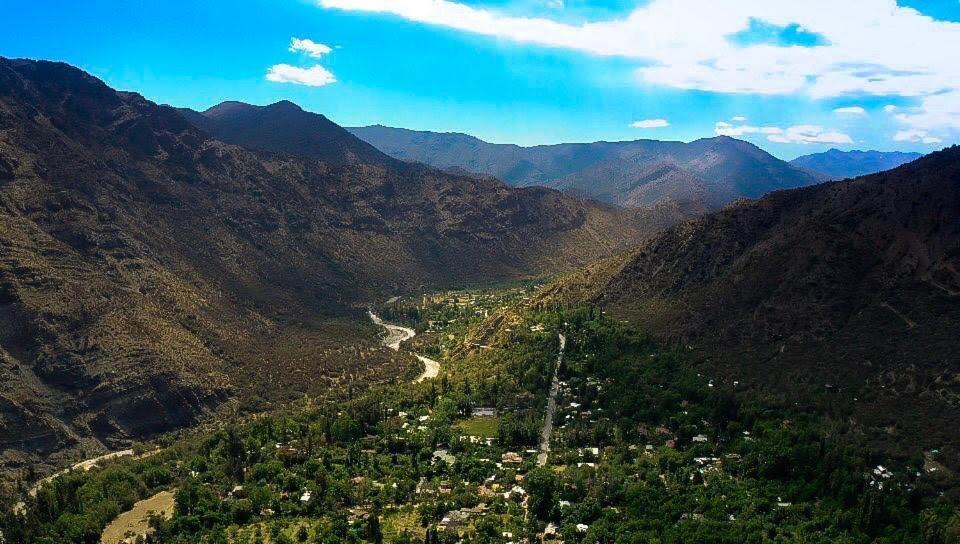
point(397, 335)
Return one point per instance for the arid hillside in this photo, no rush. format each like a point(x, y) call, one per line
point(847, 289)
point(150, 272)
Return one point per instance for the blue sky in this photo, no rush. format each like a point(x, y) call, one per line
point(536, 71)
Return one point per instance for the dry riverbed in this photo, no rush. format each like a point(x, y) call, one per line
point(396, 335)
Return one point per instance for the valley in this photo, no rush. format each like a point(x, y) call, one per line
point(644, 442)
point(613, 342)
point(153, 277)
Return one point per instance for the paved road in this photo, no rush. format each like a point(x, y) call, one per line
point(397, 335)
point(547, 431)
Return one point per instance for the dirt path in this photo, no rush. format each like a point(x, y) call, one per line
point(547, 433)
point(82, 466)
point(134, 522)
point(85, 465)
point(910, 324)
point(397, 335)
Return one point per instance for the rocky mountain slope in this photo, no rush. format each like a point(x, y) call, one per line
point(836, 164)
point(711, 171)
point(285, 128)
point(847, 289)
point(149, 272)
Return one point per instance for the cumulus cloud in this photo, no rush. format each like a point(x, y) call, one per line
point(936, 111)
point(650, 123)
point(314, 76)
point(873, 47)
point(916, 136)
point(739, 119)
point(850, 110)
point(310, 47)
point(797, 134)
point(889, 108)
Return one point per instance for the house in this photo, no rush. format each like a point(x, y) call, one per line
point(511, 458)
point(445, 456)
point(700, 438)
point(483, 412)
point(457, 518)
point(516, 492)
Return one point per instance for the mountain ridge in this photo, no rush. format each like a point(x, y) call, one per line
point(837, 164)
point(284, 127)
point(711, 171)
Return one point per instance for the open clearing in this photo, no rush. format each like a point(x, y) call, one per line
point(134, 522)
point(482, 426)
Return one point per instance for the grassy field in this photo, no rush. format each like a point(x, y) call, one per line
point(483, 426)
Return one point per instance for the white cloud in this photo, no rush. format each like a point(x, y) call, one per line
point(810, 134)
point(315, 76)
point(916, 136)
point(850, 110)
point(310, 47)
point(937, 111)
point(873, 47)
point(797, 134)
point(889, 108)
point(726, 129)
point(739, 119)
point(650, 123)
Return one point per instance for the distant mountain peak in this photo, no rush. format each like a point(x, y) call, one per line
point(838, 164)
point(226, 107)
point(284, 127)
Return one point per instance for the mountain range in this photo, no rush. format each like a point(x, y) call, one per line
point(846, 289)
point(711, 172)
point(836, 164)
point(150, 272)
point(159, 264)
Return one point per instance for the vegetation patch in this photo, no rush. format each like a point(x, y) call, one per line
point(481, 426)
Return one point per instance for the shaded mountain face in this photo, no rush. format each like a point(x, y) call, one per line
point(284, 127)
point(149, 272)
point(712, 171)
point(846, 289)
point(836, 164)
